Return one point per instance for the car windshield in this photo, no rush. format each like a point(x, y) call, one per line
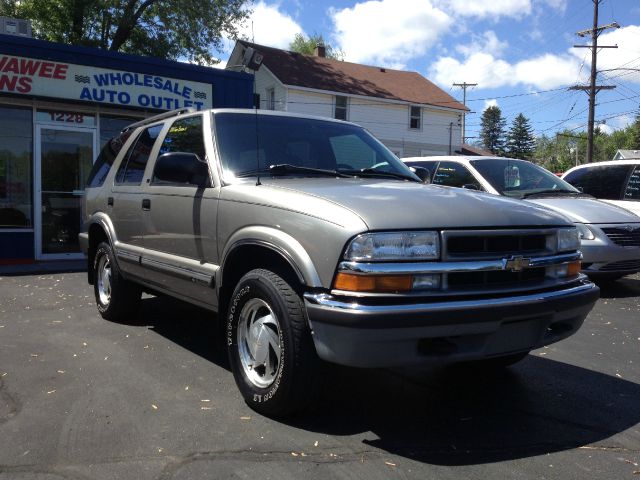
point(521, 179)
point(261, 144)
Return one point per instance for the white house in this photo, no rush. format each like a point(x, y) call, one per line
point(626, 155)
point(404, 110)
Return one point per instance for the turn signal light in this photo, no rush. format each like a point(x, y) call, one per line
point(367, 283)
point(574, 268)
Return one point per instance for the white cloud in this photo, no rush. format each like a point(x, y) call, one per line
point(271, 27)
point(482, 64)
point(560, 5)
point(627, 55)
point(490, 103)
point(491, 8)
point(488, 41)
point(388, 32)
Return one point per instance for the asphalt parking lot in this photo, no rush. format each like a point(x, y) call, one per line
point(83, 398)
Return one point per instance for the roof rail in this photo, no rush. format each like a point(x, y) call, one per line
point(160, 116)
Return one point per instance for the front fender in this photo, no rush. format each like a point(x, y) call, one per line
point(282, 243)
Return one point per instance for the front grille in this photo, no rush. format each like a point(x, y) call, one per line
point(494, 278)
point(493, 244)
point(499, 244)
point(623, 237)
point(618, 266)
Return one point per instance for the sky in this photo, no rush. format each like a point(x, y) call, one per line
point(519, 52)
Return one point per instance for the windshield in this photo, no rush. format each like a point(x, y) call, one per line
point(253, 144)
point(519, 178)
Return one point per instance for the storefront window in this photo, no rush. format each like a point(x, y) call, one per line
point(16, 144)
point(111, 126)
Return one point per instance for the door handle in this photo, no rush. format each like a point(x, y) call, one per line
point(146, 204)
point(110, 202)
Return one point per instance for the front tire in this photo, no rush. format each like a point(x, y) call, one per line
point(116, 298)
point(271, 353)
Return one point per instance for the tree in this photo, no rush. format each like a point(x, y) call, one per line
point(635, 134)
point(169, 29)
point(521, 142)
point(307, 46)
point(492, 130)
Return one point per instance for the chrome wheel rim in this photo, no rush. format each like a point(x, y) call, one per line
point(259, 344)
point(104, 280)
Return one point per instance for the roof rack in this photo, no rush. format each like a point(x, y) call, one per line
point(160, 116)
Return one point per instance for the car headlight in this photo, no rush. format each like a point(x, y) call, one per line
point(387, 246)
point(585, 232)
point(568, 239)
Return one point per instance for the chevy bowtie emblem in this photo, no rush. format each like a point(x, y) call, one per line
point(515, 263)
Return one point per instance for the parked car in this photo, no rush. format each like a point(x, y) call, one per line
point(610, 235)
point(616, 182)
point(313, 242)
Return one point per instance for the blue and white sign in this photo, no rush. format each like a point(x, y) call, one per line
point(30, 76)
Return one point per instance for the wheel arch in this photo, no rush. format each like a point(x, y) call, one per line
point(100, 230)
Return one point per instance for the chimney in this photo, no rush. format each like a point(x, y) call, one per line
point(320, 50)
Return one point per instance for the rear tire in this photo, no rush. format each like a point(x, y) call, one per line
point(269, 343)
point(116, 298)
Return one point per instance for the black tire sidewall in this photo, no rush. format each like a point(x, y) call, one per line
point(273, 398)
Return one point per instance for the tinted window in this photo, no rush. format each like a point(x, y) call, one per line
point(519, 178)
point(251, 142)
point(601, 181)
point(185, 136)
point(132, 167)
point(454, 175)
point(105, 160)
point(632, 192)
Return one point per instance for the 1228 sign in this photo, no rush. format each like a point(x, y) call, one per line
point(66, 117)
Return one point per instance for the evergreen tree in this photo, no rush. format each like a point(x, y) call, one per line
point(492, 130)
point(521, 142)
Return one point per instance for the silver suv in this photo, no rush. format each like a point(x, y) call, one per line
point(313, 242)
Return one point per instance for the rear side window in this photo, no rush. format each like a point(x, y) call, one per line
point(632, 192)
point(105, 160)
point(605, 181)
point(133, 164)
point(453, 174)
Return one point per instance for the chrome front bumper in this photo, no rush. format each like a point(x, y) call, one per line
point(348, 331)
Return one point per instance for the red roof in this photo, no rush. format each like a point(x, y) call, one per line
point(296, 69)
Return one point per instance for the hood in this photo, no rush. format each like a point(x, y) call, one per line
point(390, 205)
point(587, 210)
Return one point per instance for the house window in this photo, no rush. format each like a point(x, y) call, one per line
point(341, 108)
point(256, 100)
point(271, 99)
point(415, 117)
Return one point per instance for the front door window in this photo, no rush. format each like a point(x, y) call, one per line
point(66, 157)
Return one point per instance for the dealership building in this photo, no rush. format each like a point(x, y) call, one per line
point(58, 105)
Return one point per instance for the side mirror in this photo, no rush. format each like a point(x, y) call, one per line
point(471, 186)
point(422, 173)
point(181, 169)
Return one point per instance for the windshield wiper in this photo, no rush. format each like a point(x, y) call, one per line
point(551, 191)
point(372, 172)
point(284, 168)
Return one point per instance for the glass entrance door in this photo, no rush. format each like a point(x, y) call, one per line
point(64, 159)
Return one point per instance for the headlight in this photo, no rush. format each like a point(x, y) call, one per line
point(585, 232)
point(377, 247)
point(568, 239)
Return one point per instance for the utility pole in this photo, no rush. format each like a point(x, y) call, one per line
point(593, 89)
point(464, 86)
